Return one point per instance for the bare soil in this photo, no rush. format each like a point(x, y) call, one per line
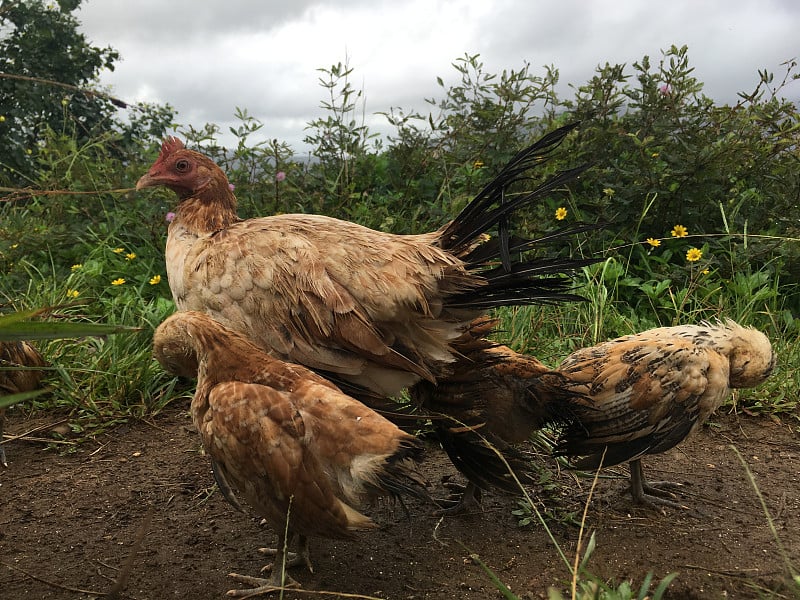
point(69, 524)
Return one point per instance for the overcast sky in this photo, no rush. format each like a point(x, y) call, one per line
point(207, 58)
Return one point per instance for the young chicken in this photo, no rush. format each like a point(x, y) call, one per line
point(18, 373)
point(302, 453)
point(648, 391)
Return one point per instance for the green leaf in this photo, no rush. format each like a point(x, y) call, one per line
point(13, 329)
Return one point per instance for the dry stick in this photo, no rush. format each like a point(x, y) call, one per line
point(770, 522)
point(127, 567)
point(11, 438)
point(32, 192)
point(583, 523)
point(51, 583)
point(89, 93)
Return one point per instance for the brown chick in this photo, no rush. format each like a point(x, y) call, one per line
point(494, 399)
point(376, 309)
point(302, 453)
point(18, 374)
point(649, 391)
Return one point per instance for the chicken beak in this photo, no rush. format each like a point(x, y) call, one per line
point(145, 181)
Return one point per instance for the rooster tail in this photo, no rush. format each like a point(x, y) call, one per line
point(512, 278)
point(482, 463)
point(397, 476)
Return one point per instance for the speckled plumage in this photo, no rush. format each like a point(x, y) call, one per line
point(288, 440)
point(646, 392)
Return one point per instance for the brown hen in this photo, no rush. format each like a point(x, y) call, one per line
point(648, 391)
point(302, 453)
point(377, 309)
point(19, 362)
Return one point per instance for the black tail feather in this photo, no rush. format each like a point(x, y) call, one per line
point(512, 276)
point(458, 232)
point(460, 235)
point(479, 462)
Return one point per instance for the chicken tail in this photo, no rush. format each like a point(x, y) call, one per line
point(398, 477)
point(491, 399)
point(512, 278)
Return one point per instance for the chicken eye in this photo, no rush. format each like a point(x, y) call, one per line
point(182, 165)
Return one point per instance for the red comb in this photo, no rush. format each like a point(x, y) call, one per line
point(170, 145)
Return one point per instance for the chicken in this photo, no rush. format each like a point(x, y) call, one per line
point(494, 399)
point(302, 453)
point(647, 392)
point(18, 374)
point(375, 309)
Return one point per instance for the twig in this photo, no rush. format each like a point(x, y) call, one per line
point(10, 438)
point(577, 565)
point(24, 192)
point(51, 583)
point(728, 573)
point(127, 567)
point(40, 440)
point(89, 93)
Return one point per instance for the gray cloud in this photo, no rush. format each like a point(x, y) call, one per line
point(208, 58)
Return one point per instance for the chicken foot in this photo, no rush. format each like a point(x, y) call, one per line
point(651, 494)
point(469, 499)
point(278, 578)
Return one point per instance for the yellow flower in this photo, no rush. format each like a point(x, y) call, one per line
point(694, 254)
point(654, 243)
point(118, 250)
point(76, 267)
point(2, 118)
point(130, 256)
point(477, 164)
point(14, 246)
point(609, 192)
point(679, 231)
point(155, 280)
point(561, 213)
point(654, 155)
point(705, 271)
point(72, 293)
point(119, 281)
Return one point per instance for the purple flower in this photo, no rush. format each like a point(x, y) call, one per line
point(280, 176)
point(665, 89)
point(169, 217)
point(231, 187)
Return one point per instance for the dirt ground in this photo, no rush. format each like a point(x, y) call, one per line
point(68, 524)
